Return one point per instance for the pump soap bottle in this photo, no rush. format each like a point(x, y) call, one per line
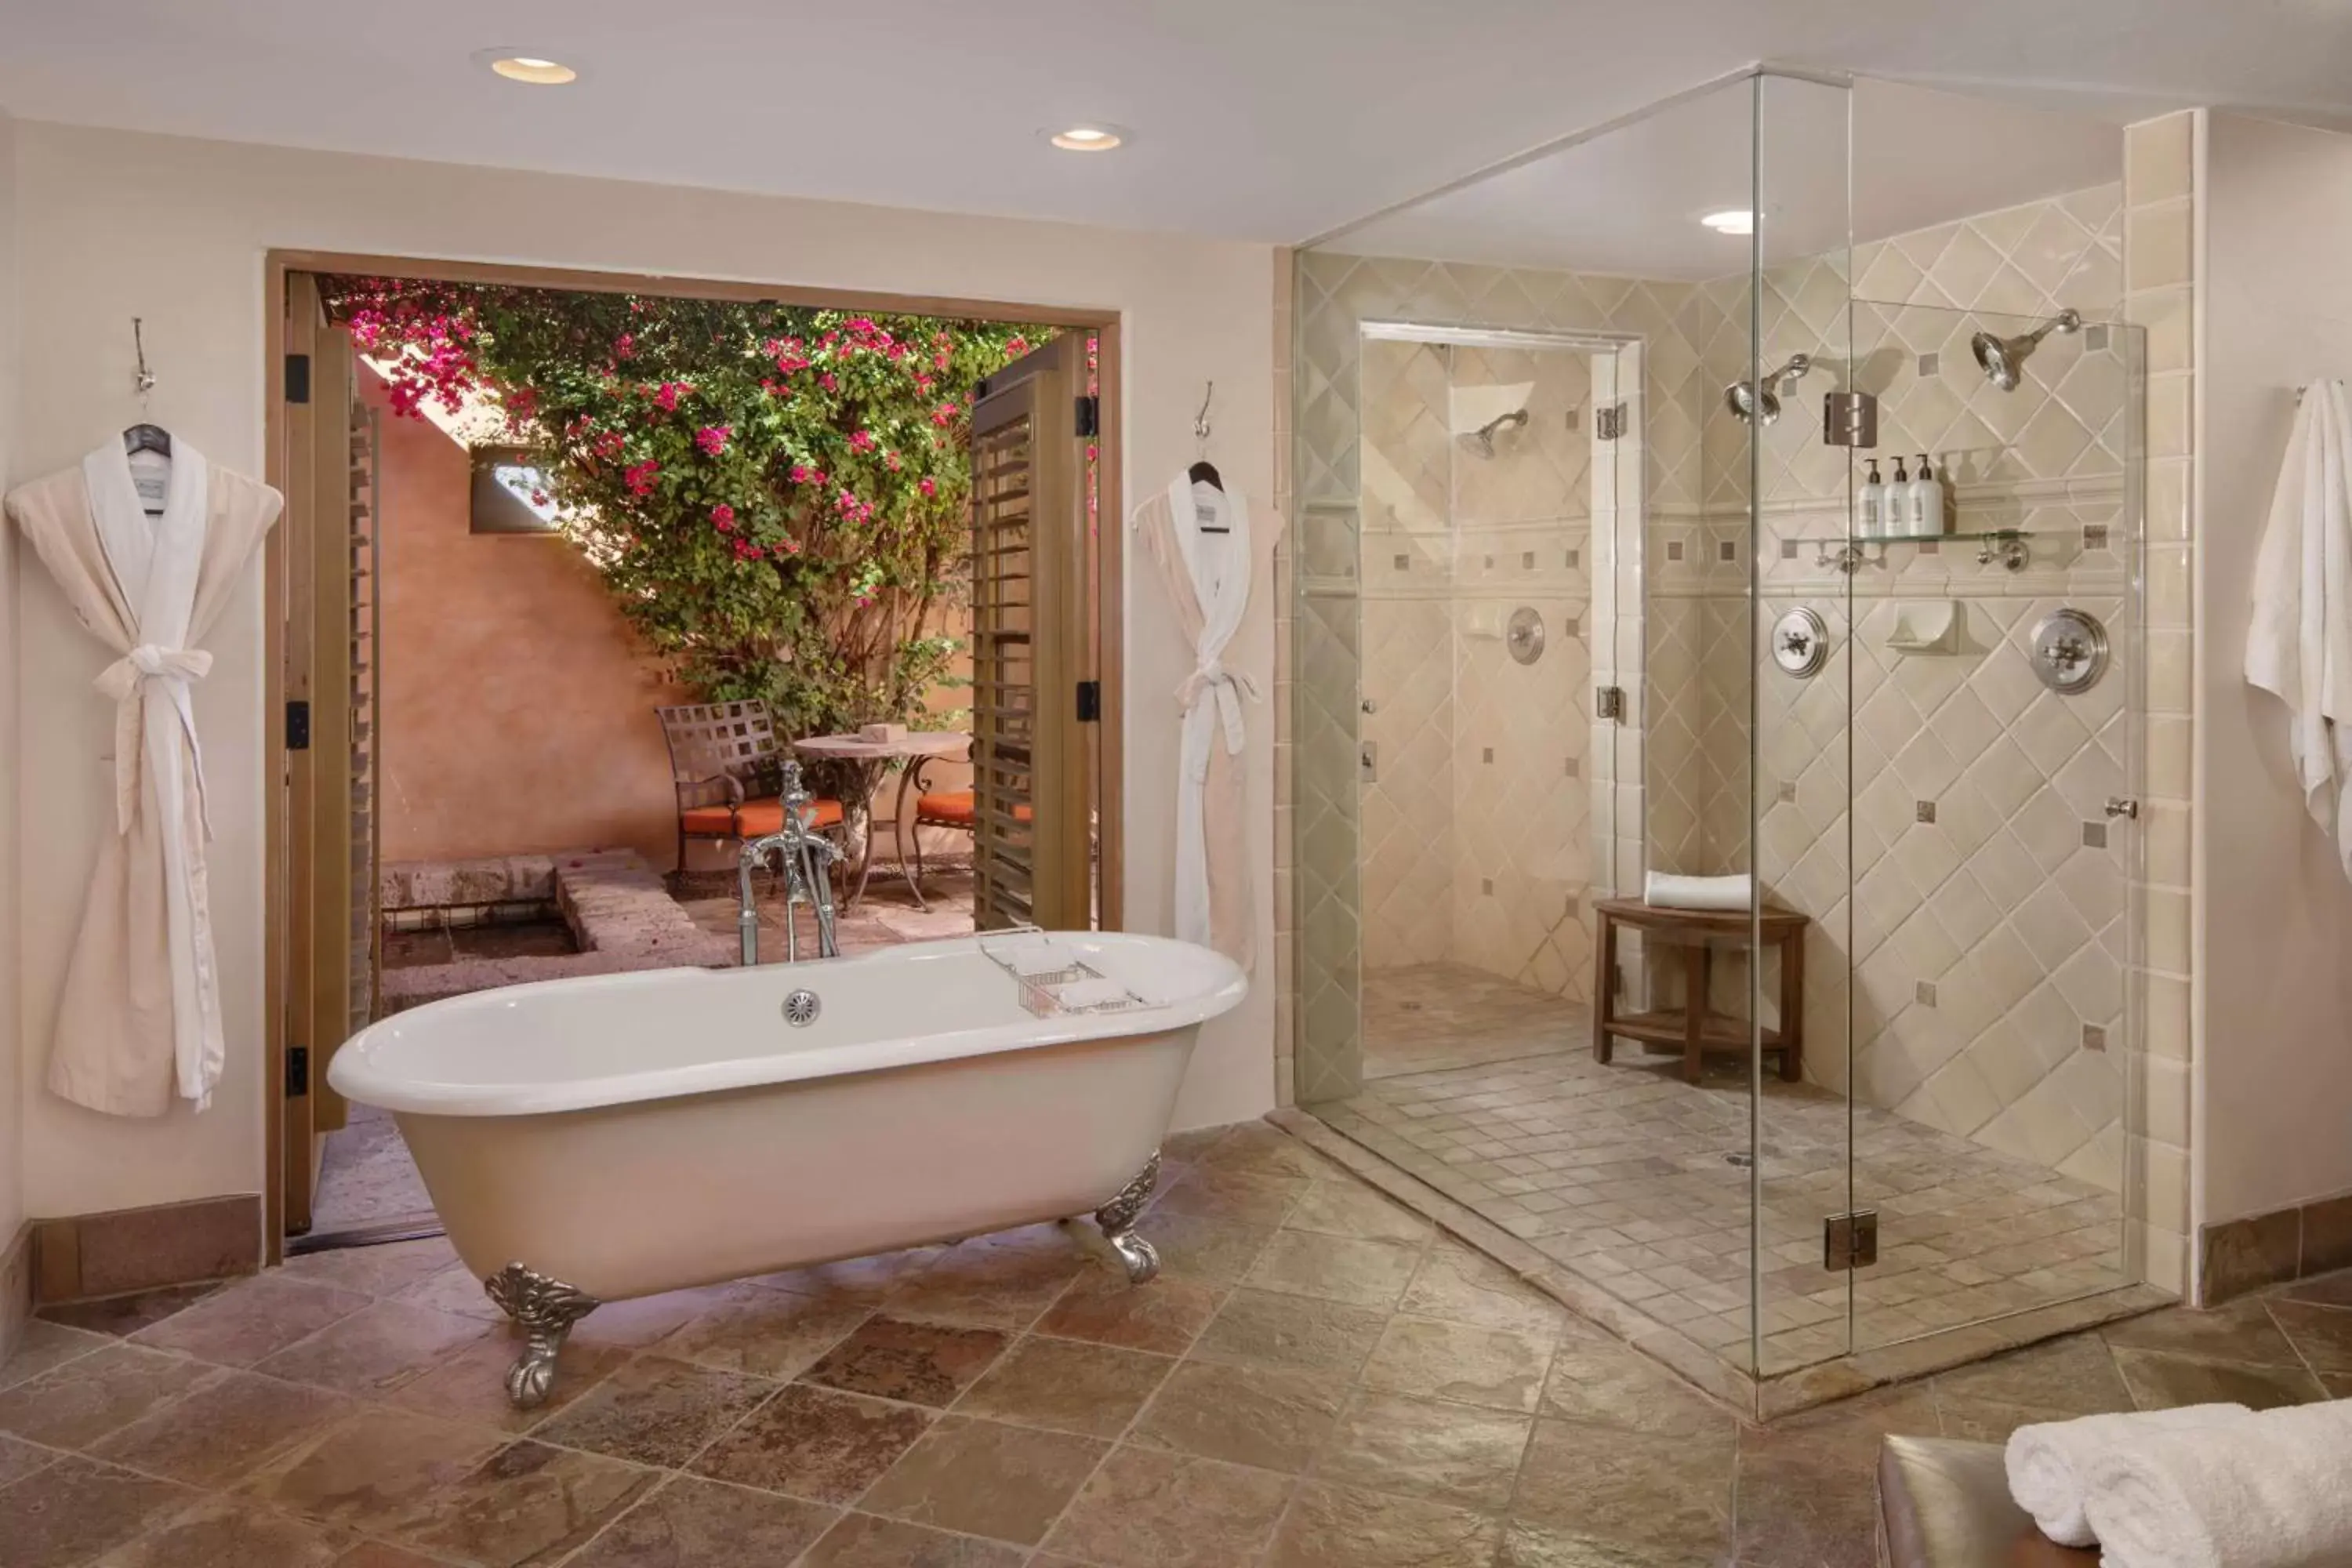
point(1872, 522)
point(1927, 502)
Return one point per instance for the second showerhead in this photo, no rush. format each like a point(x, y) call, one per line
point(1754, 406)
point(2003, 359)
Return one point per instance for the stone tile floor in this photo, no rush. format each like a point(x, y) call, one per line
point(1318, 1380)
point(1623, 1174)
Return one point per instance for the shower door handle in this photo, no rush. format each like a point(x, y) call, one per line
point(1368, 763)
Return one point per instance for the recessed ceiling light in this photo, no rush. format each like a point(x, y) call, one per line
point(536, 71)
point(1093, 138)
point(1735, 220)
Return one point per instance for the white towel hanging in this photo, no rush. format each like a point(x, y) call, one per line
point(2299, 642)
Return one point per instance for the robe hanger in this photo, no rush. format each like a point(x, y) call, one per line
point(1203, 471)
point(144, 436)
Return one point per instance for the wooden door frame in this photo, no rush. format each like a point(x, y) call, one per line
point(278, 265)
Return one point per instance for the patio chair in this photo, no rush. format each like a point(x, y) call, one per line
point(725, 764)
point(950, 809)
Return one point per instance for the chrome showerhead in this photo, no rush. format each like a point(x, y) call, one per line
point(2003, 359)
point(1744, 401)
point(1484, 434)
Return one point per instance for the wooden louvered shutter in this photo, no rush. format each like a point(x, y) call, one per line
point(1030, 856)
point(332, 499)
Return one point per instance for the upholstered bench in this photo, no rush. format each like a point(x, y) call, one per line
point(1946, 1504)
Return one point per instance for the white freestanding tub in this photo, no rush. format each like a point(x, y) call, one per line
point(597, 1138)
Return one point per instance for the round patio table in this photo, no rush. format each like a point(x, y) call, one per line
point(872, 759)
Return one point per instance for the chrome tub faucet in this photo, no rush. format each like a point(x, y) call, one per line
point(807, 857)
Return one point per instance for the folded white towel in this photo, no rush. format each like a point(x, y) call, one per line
point(2047, 1461)
point(2272, 1490)
point(1091, 994)
point(1666, 890)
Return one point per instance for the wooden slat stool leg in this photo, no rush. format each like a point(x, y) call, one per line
point(1604, 987)
point(1695, 978)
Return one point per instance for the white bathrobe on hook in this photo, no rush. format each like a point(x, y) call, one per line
point(139, 1025)
point(1209, 576)
point(2299, 641)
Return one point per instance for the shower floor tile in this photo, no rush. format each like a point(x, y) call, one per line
point(1487, 1092)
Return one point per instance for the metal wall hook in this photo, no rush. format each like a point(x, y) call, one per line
point(1200, 420)
point(144, 379)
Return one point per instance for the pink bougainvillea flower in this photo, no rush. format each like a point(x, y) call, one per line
point(862, 441)
point(639, 477)
point(722, 518)
point(828, 382)
point(1019, 345)
point(712, 438)
point(845, 504)
point(928, 485)
point(791, 547)
point(625, 346)
point(945, 414)
point(668, 395)
point(892, 460)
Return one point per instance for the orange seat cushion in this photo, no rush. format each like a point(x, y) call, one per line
point(752, 819)
point(953, 808)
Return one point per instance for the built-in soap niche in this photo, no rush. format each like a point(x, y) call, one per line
point(1926, 627)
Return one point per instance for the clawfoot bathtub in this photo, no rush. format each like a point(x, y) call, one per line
point(592, 1140)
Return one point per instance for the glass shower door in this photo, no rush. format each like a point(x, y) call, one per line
point(1993, 924)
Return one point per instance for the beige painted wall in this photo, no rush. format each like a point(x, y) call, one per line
point(2275, 1001)
point(12, 1186)
point(518, 705)
point(175, 230)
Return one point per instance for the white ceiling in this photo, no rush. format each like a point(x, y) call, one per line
point(1260, 119)
point(1628, 201)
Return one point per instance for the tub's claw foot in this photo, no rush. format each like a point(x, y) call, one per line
point(1117, 1219)
point(545, 1310)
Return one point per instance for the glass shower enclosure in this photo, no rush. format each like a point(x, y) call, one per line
point(1594, 589)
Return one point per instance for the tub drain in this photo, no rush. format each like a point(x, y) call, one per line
point(801, 1008)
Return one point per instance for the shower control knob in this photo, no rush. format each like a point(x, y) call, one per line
point(2123, 806)
point(2067, 652)
point(1797, 642)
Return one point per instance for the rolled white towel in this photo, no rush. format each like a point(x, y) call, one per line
point(2047, 1461)
point(2273, 1491)
point(1666, 890)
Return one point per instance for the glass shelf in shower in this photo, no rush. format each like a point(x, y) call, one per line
point(1966, 533)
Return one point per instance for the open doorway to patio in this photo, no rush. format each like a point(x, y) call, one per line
point(579, 570)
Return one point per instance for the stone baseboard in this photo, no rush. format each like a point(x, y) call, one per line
point(2239, 1256)
point(15, 1288)
point(85, 1256)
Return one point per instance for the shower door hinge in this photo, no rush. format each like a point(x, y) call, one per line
point(1089, 701)
point(1849, 419)
point(297, 378)
point(1609, 424)
point(1608, 702)
point(1849, 1241)
point(1089, 416)
point(298, 1071)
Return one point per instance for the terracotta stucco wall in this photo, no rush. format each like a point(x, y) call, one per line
point(518, 705)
